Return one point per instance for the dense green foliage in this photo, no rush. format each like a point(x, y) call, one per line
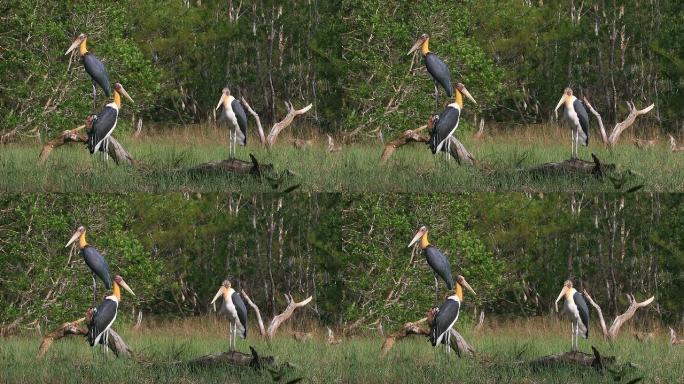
point(173, 250)
point(515, 250)
point(347, 57)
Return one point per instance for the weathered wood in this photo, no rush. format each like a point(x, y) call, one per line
point(644, 144)
point(458, 342)
point(233, 166)
point(576, 166)
point(232, 358)
point(612, 139)
point(673, 145)
point(287, 313)
point(68, 136)
point(594, 360)
point(281, 125)
point(480, 131)
point(260, 322)
point(409, 136)
point(480, 322)
point(302, 336)
point(673, 338)
point(302, 144)
point(331, 145)
point(330, 337)
point(67, 329)
point(260, 129)
point(645, 336)
point(612, 332)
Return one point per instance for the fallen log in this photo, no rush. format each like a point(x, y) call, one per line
point(232, 358)
point(233, 166)
point(594, 360)
point(644, 143)
point(612, 332)
point(576, 166)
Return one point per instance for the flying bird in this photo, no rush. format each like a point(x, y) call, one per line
point(105, 122)
point(236, 309)
point(447, 315)
point(105, 314)
point(576, 308)
point(447, 123)
point(233, 112)
point(93, 259)
point(93, 65)
point(577, 117)
point(436, 67)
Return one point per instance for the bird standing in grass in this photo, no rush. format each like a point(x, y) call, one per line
point(577, 117)
point(235, 307)
point(576, 308)
point(233, 112)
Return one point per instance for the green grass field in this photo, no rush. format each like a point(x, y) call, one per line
point(165, 160)
point(503, 354)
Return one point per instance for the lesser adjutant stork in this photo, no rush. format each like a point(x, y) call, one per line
point(233, 112)
point(576, 308)
point(94, 67)
point(105, 314)
point(93, 259)
point(447, 315)
point(236, 310)
point(435, 259)
point(447, 123)
point(577, 117)
point(436, 67)
point(105, 122)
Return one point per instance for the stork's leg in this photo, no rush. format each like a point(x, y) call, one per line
point(94, 291)
point(436, 289)
point(448, 342)
point(436, 97)
point(94, 97)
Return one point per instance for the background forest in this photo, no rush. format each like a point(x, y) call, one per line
point(347, 57)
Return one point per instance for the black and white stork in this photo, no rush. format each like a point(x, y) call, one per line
point(436, 67)
point(576, 308)
point(93, 259)
point(578, 118)
point(447, 315)
point(94, 67)
point(235, 307)
point(105, 314)
point(105, 122)
point(447, 122)
point(233, 112)
point(435, 259)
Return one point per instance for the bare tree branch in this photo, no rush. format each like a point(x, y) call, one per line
point(280, 126)
point(262, 330)
point(612, 332)
point(281, 318)
point(614, 136)
point(673, 145)
point(260, 130)
point(673, 338)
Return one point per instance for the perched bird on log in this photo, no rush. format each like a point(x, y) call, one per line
point(577, 117)
point(94, 67)
point(105, 122)
point(105, 314)
point(93, 259)
point(235, 113)
point(446, 124)
point(436, 67)
point(435, 259)
point(235, 307)
point(447, 315)
point(576, 308)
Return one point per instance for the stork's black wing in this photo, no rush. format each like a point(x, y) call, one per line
point(241, 118)
point(439, 263)
point(583, 310)
point(447, 315)
point(241, 310)
point(445, 124)
point(97, 72)
point(102, 318)
point(102, 127)
point(440, 72)
point(583, 119)
point(97, 264)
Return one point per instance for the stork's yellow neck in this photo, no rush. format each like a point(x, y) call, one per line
point(117, 291)
point(82, 243)
point(82, 49)
point(459, 291)
point(424, 243)
point(117, 99)
point(425, 47)
point(459, 98)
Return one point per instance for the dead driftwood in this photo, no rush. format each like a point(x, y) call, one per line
point(330, 337)
point(576, 166)
point(232, 358)
point(332, 147)
point(612, 139)
point(673, 338)
point(575, 358)
point(644, 144)
point(673, 145)
point(612, 332)
point(458, 343)
point(235, 166)
point(116, 343)
point(277, 320)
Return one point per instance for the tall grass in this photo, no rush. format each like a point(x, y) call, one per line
point(503, 355)
point(166, 158)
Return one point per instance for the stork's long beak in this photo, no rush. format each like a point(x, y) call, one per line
point(562, 100)
point(218, 294)
point(126, 287)
point(465, 284)
point(123, 92)
point(417, 237)
point(223, 96)
point(560, 296)
point(73, 238)
point(73, 46)
point(467, 94)
point(417, 44)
